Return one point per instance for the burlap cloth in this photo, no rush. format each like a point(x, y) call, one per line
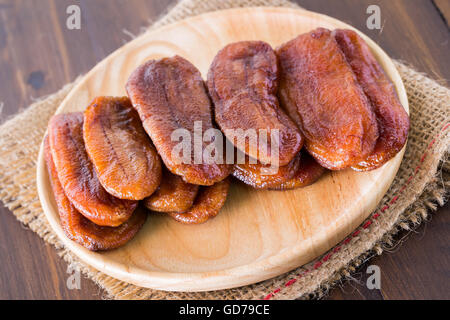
point(419, 186)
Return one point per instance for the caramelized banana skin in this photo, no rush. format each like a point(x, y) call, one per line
point(393, 121)
point(123, 156)
point(254, 175)
point(308, 173)
point(207, 204)
point(169, 94)
point(81, 230)
point(78, 177)
point(243, 81)
point(320, 92)
point(173, 195)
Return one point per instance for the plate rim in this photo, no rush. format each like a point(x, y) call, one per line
point(202, 281)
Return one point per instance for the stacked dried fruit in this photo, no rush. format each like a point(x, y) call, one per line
point(323, 90)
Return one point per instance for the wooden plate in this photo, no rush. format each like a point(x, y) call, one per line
point(258, 234)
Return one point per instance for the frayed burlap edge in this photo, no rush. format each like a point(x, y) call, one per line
point(418, 188)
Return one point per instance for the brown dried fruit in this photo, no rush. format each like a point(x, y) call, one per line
point(254, 174)
point(207, 204)
point(170, 94)
point(78, 177)
point(173, 195)
point(123, 156)
point(81, 230)
point(320, 92)
point(393, 121)
point(242, 82)
point(308, 173)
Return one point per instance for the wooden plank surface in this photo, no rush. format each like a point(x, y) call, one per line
point(38, 54)
point(443, 6)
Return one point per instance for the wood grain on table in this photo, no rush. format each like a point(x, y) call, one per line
point(38, 54)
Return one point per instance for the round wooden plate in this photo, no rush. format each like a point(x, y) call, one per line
point(258, 234)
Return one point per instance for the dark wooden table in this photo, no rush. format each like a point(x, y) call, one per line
point(38, 54)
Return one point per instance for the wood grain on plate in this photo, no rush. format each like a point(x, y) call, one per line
point(258, 234)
